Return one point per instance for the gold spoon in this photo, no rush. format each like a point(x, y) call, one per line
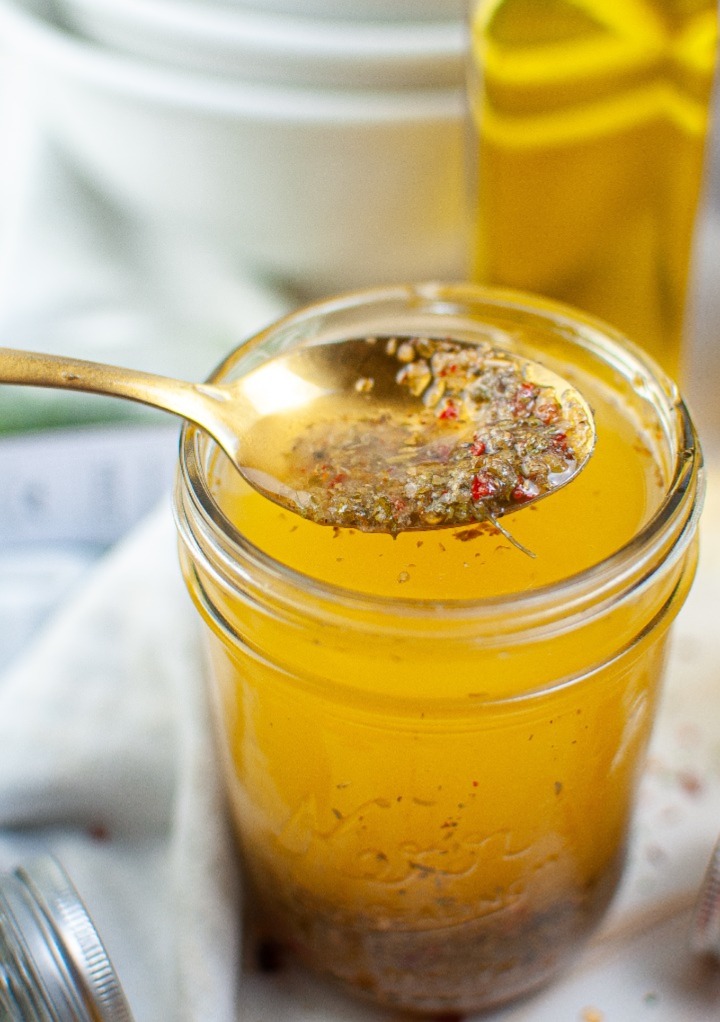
point(380, 434)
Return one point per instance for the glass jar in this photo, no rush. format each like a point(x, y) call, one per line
point(432, 743)
point(591, 122)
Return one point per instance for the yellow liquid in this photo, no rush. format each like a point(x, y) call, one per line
point(410, 824)
point(469, 563)
point(591, 119)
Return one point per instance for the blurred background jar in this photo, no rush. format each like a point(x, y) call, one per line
point(591, 122)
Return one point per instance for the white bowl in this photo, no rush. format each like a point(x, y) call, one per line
point(358, 10)
point(260, 46)
point(321, 190)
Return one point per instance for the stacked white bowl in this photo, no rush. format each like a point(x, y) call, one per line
point(318, 142)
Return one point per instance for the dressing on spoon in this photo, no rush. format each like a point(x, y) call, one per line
point(379, 434)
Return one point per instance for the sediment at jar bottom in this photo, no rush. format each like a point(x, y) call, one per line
point(466, 968)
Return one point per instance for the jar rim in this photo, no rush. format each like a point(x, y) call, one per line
point(625, 568)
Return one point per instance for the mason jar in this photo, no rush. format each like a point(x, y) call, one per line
point(432, 742)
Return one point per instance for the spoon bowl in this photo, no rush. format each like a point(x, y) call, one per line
point(380, 434)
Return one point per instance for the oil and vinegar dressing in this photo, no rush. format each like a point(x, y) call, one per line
point(591, 121)
point(432, 809)
point(572, 529)
point(432, 861)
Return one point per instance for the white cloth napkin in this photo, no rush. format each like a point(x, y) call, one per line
point(106, 759)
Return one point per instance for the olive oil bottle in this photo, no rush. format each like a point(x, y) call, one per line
point(591, 119)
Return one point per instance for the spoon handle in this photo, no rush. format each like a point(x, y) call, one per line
point(31, 368)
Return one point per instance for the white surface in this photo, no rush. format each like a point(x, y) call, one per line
point(358, 10)
point(253, 45)
point(322, 189)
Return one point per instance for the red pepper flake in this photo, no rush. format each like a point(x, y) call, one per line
point(482, 486)
point(450, 412)
point(523, 398)
point(520, 496)
point(525, 490)
point(547, 411)
point(483, 441)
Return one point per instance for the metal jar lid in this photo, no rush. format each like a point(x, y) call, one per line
point(705, 935)
point(53, 966)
